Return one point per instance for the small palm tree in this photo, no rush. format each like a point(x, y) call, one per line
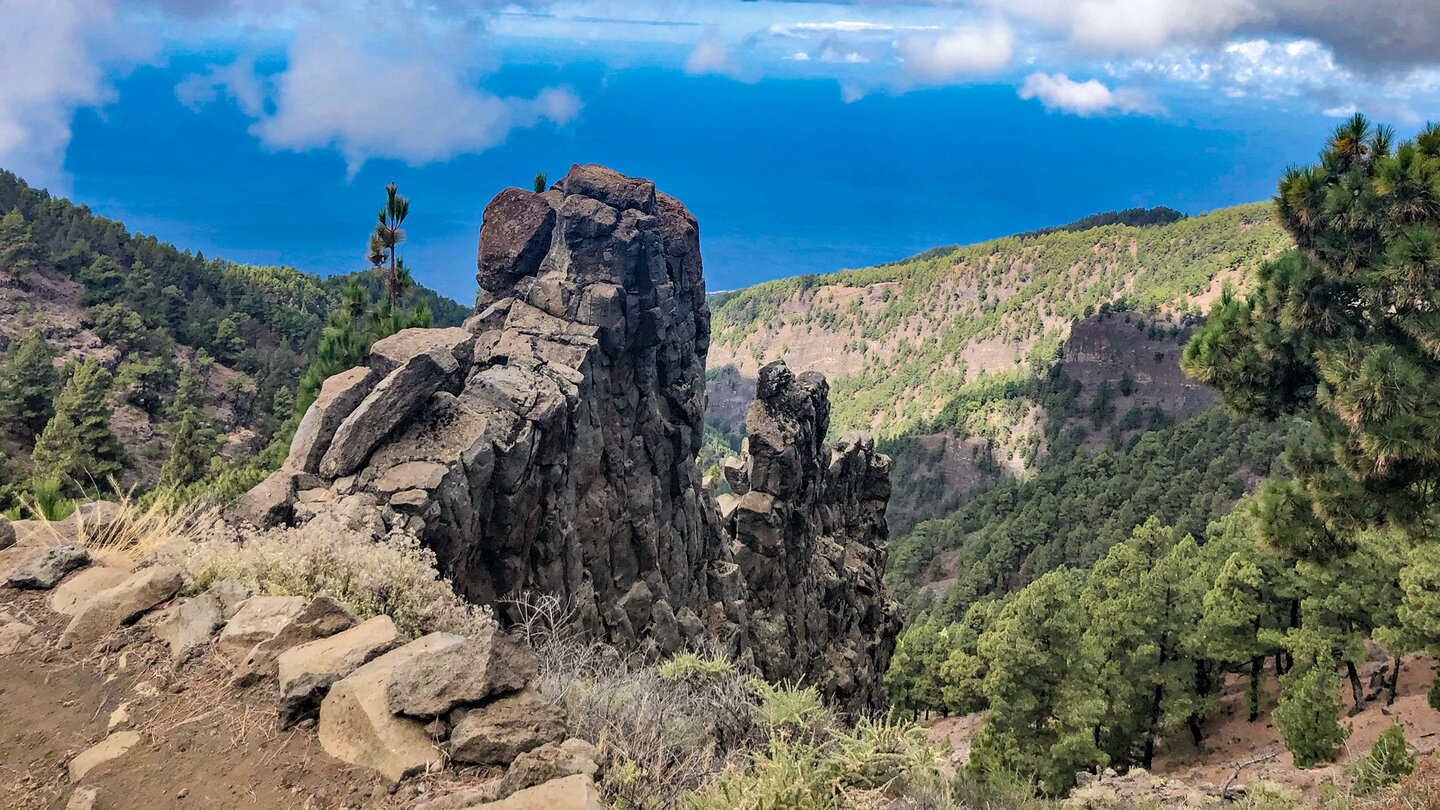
point(386, 239)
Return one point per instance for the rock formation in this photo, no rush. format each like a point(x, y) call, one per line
point(550, 447)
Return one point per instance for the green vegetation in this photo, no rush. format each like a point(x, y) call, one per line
point(910, 324)
point(1089, 664)
point(173, 313)
point(77, 448)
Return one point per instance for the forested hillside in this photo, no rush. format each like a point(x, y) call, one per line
point(192, 356)
point(1096, 610)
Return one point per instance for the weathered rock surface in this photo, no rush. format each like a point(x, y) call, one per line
point(571, 793)
point(547, 763)
point(7, 533)
point(357, 726)
point(809, 538)
point(307, 671)
point(189, 624)
point(258, 619)
point(432, 684)
point(112, 747)
point(109, 610)
point(503, 729)
point(554, 452)
point(321, 618)
point(338, 398)
point(271, 502)
point(72, 594)
point(46, 568)
point(15, 636)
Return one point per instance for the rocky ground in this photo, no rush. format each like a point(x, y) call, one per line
point(119, 694)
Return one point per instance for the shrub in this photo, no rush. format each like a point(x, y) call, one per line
point(393, 575)
point(1389, 759)
point(789, 709)
point(1420, 790)
point(690, 666)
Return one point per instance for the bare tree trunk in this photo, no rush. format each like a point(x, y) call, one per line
point(1394, 680)
point(1257, 665)
point(1357, 691)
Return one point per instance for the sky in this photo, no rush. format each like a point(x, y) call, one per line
point(804, 136)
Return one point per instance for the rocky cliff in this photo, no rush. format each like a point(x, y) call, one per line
point(549, 446)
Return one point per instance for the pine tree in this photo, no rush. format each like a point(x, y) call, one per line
point(541, 181)
point(104, 281)
point(1041, 688)
point(19, 252)
point(1308, 712)
point(28, 384)
point(385, 242)
point(77, 448)
point(1235, 613)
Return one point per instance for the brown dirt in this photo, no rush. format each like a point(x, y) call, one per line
point(1231, 739)
point(203, 743)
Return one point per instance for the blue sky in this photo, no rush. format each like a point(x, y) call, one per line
point(806, 137)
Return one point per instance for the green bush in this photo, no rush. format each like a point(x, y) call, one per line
point(1389, 759)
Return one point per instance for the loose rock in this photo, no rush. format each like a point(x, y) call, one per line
point(44, 570)
point(72, 594)
point(112, 747)
point(308, 670)
point(322, 618)
point(433, 684)
point(503, 729)
point(109, 610)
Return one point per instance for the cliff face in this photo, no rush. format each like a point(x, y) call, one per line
point(550, 446)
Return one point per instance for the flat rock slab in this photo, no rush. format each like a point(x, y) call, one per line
point(72, 594)
point(45, 569)
point(356, 725)
point(111, 747)
point(394, 400)
point(111, 609)
point(321, 618)
point(490, 664)
point(339, 396)
point(548, 763)
point(571, 793)
point(308, 671)
point(257, 619)
point(503, 729)
point(390, 353)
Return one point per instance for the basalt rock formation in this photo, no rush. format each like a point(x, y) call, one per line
point(550, 446)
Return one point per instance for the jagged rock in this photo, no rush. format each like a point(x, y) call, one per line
point(576, 792)
point(112, 747)
point(547, 763)
point(271, 502)
point(432, 684)
point(110, 610)
point(357, 726)
point(72, 594)
point(258, 618)
point(231, 595)
point(499, 731)
point(43, 570)
point(189, 624)
point(557, 456)
point(307, 671)
point(83, 798)
point(321, 618)
point(7, 533)
point(338, 398)
point(394, 400)
point(390, 353)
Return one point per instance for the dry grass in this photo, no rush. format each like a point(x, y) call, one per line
point(126, 531)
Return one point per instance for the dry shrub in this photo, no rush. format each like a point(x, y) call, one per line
point(1420, 790)
point(331, 555)
point(130, 529)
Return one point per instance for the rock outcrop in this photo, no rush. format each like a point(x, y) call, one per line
point(550, 447)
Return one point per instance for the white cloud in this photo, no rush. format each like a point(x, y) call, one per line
point(963, 51)
point(412, 101)
point(712, 54)
point(1060, 93)
point(55, 62)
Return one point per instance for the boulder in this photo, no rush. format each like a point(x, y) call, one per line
point(308, 670)
point(322, 618)
point(7, 533)
point(357, 726)
point(271, 502)
point(72, 594)
point(517, 236)
point(189, 624)
point(111, 609)
point(548, 763)
point(390, 353)
point(432, 684)
point(257, 619)
point(497, 732)
point(339, 396)
point(393, 402)
point(576, 792)
point(112, 747)
point(43, 570)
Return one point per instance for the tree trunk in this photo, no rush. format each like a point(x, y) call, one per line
point(1257, 665)
point(1193, 721)
point(1394, 680)
point(1279, 663)
point(1357, 691)
point(1154, 721)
